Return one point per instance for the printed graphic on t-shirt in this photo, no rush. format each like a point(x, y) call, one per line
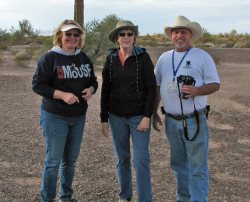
point(73, 72)
point(188, 65)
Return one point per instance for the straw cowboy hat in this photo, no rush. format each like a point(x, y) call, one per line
point(183, 22)
point(123, 24)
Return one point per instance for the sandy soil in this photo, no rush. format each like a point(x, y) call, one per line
point(22, 144)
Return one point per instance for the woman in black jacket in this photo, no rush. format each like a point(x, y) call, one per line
point(66, 80)
point(127, 102)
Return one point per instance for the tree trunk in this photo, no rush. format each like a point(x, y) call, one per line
point(78, 12)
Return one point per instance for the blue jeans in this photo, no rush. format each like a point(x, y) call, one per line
point(63, 136)
point(122, 128)
point(189, 159)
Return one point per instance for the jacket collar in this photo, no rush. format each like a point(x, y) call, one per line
point(136, 51)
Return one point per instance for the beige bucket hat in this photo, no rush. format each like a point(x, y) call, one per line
point(123, 24)
point(183, 22)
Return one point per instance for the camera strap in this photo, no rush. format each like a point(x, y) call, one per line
point(184, 120)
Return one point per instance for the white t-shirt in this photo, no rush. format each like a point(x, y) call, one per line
point(198, 64)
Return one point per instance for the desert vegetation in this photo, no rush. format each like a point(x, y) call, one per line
point(97, 43)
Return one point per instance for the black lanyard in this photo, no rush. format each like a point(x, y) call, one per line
point(176, 70)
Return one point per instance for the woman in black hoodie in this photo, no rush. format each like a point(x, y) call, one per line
point(66, 80)
point(127, 102)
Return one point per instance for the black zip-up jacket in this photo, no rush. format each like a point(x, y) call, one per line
point(128, 90)
point(68, 73)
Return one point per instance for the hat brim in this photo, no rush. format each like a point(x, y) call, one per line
point(194, 27)
point(113, 33)
point(71, 26)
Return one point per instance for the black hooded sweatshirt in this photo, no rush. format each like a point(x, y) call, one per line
point(128, 90)
point(69, 73)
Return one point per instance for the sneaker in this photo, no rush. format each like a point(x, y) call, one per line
point(68, 200)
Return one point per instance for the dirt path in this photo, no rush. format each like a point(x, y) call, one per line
point(22, 145)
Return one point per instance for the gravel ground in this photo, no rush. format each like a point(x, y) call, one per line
point(22, 144)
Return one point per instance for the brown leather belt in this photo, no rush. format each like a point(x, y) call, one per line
point(187, 116)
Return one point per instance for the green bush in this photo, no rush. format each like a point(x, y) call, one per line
point(96, 41)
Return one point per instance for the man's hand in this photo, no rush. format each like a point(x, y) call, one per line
point(189, 90)
point(157, 122)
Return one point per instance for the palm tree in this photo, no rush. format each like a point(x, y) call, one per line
point(79, 12)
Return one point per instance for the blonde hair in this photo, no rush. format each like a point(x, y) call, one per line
point(57, 41)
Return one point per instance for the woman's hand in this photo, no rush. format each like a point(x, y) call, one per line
point(105, 129)
point(144, 124)
point(87, 93)
point(67, 97)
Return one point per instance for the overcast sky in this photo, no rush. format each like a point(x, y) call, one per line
point(216, 16)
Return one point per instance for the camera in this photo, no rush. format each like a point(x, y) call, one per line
point(185, 80)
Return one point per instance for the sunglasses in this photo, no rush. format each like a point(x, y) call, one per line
point(129, 34)
point(68, 34)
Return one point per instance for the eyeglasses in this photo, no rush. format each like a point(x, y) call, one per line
point(129, 34)
point(68, 34)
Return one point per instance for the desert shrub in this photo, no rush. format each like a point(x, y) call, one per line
point(147, 37)
point(166, 44)
point(4, 39)
point(100, 60)
point(151, 43)
point(230, 44)
point(22, 58)
point(206, 37)
point(205, 45)
point(46, 41)
point(25, 33)
point(97, 42)
point(3, 46)
point(39, 46)
point(240, 44)
point(154, 40)
point(209, 44)
point(247, 45)
point(97, 37)
point(223, 45)
point(216, 60)
point(36, 51)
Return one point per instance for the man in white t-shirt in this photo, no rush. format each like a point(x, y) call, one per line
point(185, 76)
